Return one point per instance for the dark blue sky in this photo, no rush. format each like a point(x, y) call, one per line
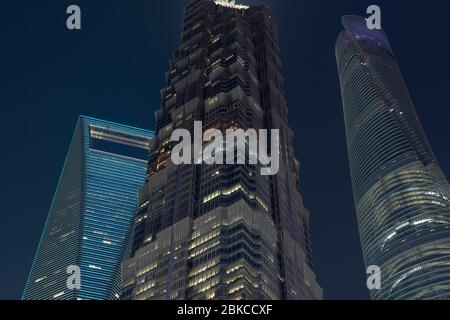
point(114, 68)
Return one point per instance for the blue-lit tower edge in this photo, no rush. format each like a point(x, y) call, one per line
point(112, 181)
point(96, 199)
point(401, 193)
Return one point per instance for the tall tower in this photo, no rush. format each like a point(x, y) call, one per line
point(92, 214)
point(401, 194)
point(222, 231)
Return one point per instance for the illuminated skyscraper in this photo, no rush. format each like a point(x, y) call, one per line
point(401, 194)
point(92, 214)
point(222, 231)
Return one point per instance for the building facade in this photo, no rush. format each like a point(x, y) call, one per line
point(222, 231)
point(401, 194)
point(92, 214)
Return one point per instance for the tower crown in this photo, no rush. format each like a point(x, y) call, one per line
point(230, 4)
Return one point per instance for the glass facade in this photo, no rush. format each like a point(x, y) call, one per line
point(401, 194)
point(92, 215)
point(222, 231)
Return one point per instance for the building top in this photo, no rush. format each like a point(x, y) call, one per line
point(356, 26)
point(231, 4)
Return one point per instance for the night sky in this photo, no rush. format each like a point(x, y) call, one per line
point(114, 68)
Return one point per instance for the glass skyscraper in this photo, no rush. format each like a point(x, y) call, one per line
point(222, 231)
point(401, 194)
point(92, 214)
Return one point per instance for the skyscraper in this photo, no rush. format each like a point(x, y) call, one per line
point(92, 214)
point(222, 231)
point(401, 194)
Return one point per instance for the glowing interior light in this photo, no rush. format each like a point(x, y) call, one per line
point(230, 4)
